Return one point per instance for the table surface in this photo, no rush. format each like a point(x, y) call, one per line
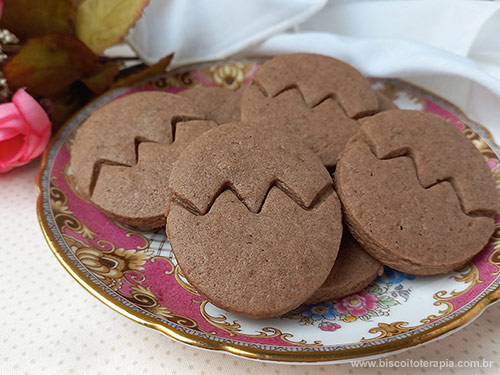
point(50, 325)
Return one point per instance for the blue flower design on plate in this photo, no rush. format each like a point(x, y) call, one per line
point(395, 277)
point(318, 311)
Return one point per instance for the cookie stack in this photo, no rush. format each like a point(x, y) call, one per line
point(243, 182)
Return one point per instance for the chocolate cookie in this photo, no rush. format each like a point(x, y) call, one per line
point(253, 219)
point(416, 194)
point(219, 104)
point(318, 77)
point(354, 269)
point(312, 97)
point(384, 103)
point(123, 153)
point(325, 129)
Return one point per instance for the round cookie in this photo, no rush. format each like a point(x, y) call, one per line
point(318, 77)
point(315, 98)
point(325, 129)
point(123, 153)
point(384, 103)
point(253, 219)
point(416, 194)
point(219, 104)
point(354, 269)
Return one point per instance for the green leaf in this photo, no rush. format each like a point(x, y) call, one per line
point(100, 24)
point(28, 18)
point(373, 289)
point(47, 65)
point(370, 314)
point(385, 302)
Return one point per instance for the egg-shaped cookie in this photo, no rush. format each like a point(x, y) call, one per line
point(416, 194)
point(253, 219)
point(219, 104)
point(312, 97)
point(123, 153)
point(318, 77)
point(384, 103)
point(354, 269)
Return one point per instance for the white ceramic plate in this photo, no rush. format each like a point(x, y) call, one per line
point(136, 274)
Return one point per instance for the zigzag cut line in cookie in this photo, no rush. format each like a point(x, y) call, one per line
point(318, 199)
point(332, 96)
point(137, 141)
point(406, 152)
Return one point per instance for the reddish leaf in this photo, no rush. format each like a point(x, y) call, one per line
point(157, 68)
point(102, 77)
point(28, 18)
point(62, 107)
point(48, 64)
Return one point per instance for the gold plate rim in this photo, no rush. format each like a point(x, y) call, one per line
point(312, 357)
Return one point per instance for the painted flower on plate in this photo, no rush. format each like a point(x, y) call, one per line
point(229, 75)
point(323, 310)
point(358, 304)
point(395, 277)
point(109, 267)
point(330, 327)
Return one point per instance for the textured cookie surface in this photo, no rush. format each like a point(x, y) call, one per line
point(252, 213)
point(312, 97)
point(123, 153)
point(325, 129)
point(416, 193)
point(318, 77)
point(384, 103)
point(219, 104)
point(353, 270)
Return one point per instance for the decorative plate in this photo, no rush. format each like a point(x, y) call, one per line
point(135, 272)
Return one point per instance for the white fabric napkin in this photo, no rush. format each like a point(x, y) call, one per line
point(450, 47)
point(199, 30)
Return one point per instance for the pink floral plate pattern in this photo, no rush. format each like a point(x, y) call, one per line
point(135, 272)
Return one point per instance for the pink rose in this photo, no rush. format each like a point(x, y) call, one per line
point(357, 304)
point(24, 131)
